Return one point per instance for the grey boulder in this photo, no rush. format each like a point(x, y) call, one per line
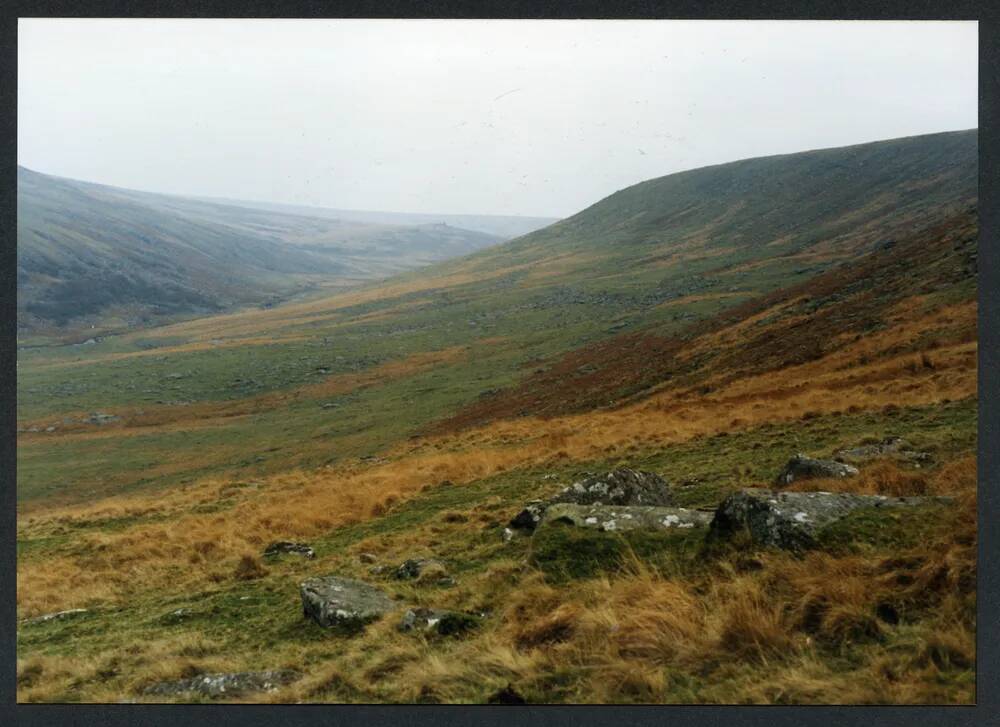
point(792, 520)
point(343, 603)
point(801, 467)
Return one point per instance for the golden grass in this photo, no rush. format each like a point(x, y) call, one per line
point(751, 635)
point(327, 498)
point(732, 634)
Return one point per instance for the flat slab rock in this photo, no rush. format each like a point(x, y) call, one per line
point(620, 487)
point(343, 603)
point(58, 616)
point(895, 447)
point(801, 467)
point(791, 520)
point(225, 685)
point(611, 518)
point(284, 546)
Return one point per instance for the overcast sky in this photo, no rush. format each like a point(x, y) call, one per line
point(506, 117)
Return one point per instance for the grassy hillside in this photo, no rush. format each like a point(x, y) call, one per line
point(730, 318)
point(92, 255)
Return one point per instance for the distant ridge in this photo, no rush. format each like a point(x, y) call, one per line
point(102, 257)
point(503, 226)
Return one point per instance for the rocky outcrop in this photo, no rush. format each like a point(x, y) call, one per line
point(432, 620)
point(895, 447)
point(224, 685)
point(343, 603)
point(621, 487)
point(283, 546)
point(612, 518)
point(801, 467)
point(792, 520)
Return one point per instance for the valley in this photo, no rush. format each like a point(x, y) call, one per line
point(705, 326)
point(95, 260)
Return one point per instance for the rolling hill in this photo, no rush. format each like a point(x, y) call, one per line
point(502, 226)
point(704, 326)
point(92, 255)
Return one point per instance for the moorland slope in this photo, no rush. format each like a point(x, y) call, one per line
point(704, 326)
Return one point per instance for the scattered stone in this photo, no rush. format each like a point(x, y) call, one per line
point(285, 546)
point(367, 558)
point(801, 467)
point(58, 616)
point(99, 417)
point(791, 520)
point(176, 617)
point(225, 685)
point(425, 570)
point(889, 447)
point(620, 487)
point(343, 603)
point(444, 623)
point(610, 518)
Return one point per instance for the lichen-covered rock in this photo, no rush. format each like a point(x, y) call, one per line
point(801, 467)
point(613, 518)
point(343, 603)
point(791, 520)
point(225, 685)
point(432, 620)
point(620, 487)
point(284, 546)
point(895, 447)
